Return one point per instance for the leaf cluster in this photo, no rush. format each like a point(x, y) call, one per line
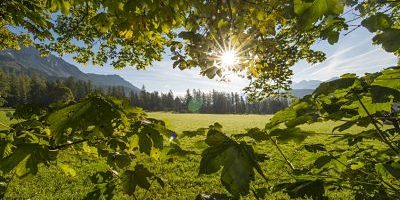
point(97, 127)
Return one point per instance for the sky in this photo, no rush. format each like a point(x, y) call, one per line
point(353, 53)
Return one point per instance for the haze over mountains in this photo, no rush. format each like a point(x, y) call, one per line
point(28, 61)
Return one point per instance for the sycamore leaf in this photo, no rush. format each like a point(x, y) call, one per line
point(322, 161)
point(388, 169)
point(137, 178)
point(102, 191)
point(254, 133)
point(390, 78)
point(150, 141)
point(377, 22)
point(302, 188)
point(117, 160)
point(200, 131)
point(371, 107)
point(292, 134)
point(314, 147)
point(333, 37)
point(97, 111)
point(6, 149)
point(25, 159)
point(388, 39)
point(238, 162)
point(311, 11)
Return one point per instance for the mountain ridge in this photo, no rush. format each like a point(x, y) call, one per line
point(309, 84)
point(28, 60)
point(306, 87)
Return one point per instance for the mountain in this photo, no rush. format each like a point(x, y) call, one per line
point(110, 80)
point(310, 84)
point(304, 87)
point(28, 60)
point(300, 93)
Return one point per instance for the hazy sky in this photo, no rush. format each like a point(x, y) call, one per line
point(353, 54)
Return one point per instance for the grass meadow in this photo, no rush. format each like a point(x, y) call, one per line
point(180, 173)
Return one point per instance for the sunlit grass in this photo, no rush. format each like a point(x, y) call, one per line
point(180, 174)
point(232, 124)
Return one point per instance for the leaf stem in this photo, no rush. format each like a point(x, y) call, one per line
point(68, 144)
point(367, 173)
point(254, 193)
point(8, 184)
point(282, 154)
point(381, 134)
point(145, 193)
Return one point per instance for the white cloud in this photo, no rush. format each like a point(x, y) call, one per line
point(350, 55)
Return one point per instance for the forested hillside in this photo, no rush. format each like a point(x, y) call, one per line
point(28, 61)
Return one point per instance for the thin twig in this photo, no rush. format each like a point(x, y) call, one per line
point(380, 133)
point(254, 193)
point(280, 151)
point(68, 144)
point(366, 173)
point(353, 29)
point(144, 195)
point(8, 184)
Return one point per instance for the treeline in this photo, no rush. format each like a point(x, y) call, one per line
point(196, 101)
point(17, 88)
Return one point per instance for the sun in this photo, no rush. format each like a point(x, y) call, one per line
point(229, 58)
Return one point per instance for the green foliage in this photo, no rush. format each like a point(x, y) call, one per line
point(388, 40)
point(389, 79)
point(96, 126)
point(237, 160)
point(377, 22)
point(138, 177)
point(99, 115)
point(27, 111)
point(314, 147)
point(354, 101)
point(311, 12)
point(25, 159)
point(104, 188)
point(308, 188)
point(274, 34)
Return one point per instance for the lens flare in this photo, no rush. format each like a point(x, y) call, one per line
point(173, 136)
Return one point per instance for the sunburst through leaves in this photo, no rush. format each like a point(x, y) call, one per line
point(230, 56)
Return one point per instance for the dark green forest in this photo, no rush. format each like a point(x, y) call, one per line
point(18, 89)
